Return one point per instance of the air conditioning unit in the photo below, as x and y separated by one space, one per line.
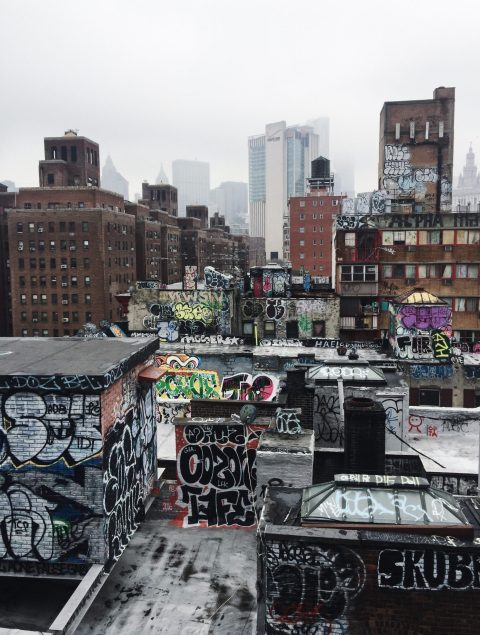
40 230
410 281
34 319
64 301
447 282
32 248
447 247
72 248
109 249
65 320
63 266
411 248
64 284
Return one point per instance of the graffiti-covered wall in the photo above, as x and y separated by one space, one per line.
301 318
175 314
216 467
421 331
328 424
74 471
129 459
323 586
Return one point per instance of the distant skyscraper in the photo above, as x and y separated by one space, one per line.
279 163
230 199
466 196
112 179
321 127
192 180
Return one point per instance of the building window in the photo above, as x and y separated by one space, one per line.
23 299
429 397
302 256
301 243
269 328
84 227
34 298
301 230
350 239
19 228
85 244
54 298
88 299
466 271
318 328
469 305
359 273
50 179
468 236
43 298
302 203
87 281
51 226
247 328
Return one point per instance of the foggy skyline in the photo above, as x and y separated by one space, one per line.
155 82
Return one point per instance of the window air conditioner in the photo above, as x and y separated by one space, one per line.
447 282
447 247
411 248
65 320
64 301
63 266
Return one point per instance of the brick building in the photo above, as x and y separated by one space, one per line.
160 196
71 250
69 160
311 224
7 200
416 152
78 419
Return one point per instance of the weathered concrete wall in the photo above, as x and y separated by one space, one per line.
436 422
172 314
307 313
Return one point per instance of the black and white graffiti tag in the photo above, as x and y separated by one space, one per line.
217 474
310 585
428 569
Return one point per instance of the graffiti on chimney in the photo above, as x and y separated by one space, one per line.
217 473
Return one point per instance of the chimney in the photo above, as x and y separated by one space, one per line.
364 436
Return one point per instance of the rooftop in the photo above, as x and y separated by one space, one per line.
69 355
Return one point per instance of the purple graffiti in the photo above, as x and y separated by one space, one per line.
425 317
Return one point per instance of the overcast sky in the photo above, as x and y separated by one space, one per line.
152 81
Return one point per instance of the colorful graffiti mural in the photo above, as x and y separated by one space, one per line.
172 314
188 384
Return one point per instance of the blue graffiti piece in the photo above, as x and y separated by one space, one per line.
431 371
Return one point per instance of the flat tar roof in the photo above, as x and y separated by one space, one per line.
69 355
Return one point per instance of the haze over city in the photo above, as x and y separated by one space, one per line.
154 82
